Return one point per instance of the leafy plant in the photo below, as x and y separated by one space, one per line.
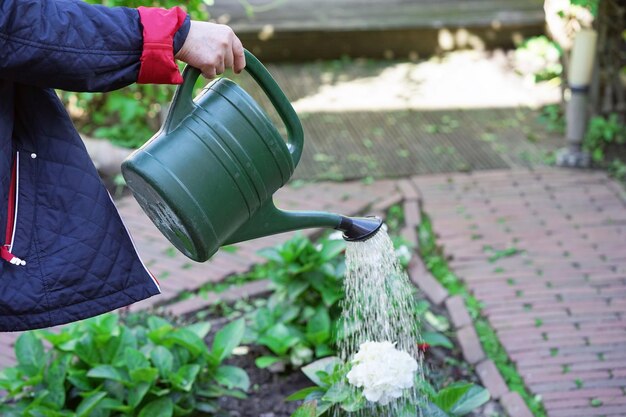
103 368
129 116
602 133
296 324
332 391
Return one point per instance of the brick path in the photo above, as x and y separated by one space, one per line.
177 273
559 305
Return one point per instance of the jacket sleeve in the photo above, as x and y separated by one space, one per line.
72 45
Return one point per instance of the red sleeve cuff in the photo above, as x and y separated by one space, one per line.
157 59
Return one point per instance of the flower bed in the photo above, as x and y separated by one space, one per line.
162 367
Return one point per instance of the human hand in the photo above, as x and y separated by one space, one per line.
212 48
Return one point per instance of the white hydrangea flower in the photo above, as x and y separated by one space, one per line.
382 371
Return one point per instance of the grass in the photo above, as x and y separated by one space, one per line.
437 264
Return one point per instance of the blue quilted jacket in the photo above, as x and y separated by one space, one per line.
66 253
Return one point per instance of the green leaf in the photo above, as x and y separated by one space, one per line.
263 362
318 327
87 405
200 329
147 374
135 359
337 393
471 399
332 248
228 338
271 254
30 353
185 377
322 365
437 339
163 360
107 372
433 411
308 409
448 397
279 339
163 407
187 339
136 393
232 377
304 393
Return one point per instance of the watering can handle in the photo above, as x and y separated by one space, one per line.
184 102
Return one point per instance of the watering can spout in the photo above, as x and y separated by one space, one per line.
358 229
269 220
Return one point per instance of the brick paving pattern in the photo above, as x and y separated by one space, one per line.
558 303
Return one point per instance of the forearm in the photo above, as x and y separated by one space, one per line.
72 45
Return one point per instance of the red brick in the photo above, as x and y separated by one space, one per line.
458 312
409 192
470 345
491 378
514 405
425 281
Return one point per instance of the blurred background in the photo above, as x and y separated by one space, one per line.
401 87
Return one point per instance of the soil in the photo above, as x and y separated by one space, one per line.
268 390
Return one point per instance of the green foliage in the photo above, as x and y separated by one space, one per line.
296 324
129 116
553 118
601 133
103 368
332 390
591 5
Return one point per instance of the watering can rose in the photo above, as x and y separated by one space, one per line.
382 371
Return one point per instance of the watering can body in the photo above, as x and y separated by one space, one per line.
207 177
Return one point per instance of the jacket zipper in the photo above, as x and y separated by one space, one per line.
5 250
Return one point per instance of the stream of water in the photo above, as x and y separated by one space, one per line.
379 306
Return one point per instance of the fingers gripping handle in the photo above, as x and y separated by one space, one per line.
182 104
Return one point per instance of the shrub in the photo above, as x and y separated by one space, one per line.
102 368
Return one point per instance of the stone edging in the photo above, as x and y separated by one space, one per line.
471 347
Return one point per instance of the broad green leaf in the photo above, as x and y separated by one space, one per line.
227 338
188 339
30 353
337 393
113 404
87 405
136 393
163 407
156 322
200 329
148 374
232 377
437 339
472 399
431 410
162 360
55 380
185 377
86 350
306 410
263 362
207 408
318 327
447 397
279 339
322 365
304 393
332 248
135 359
263 318
78 378
107 372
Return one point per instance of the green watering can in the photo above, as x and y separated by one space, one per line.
206 179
